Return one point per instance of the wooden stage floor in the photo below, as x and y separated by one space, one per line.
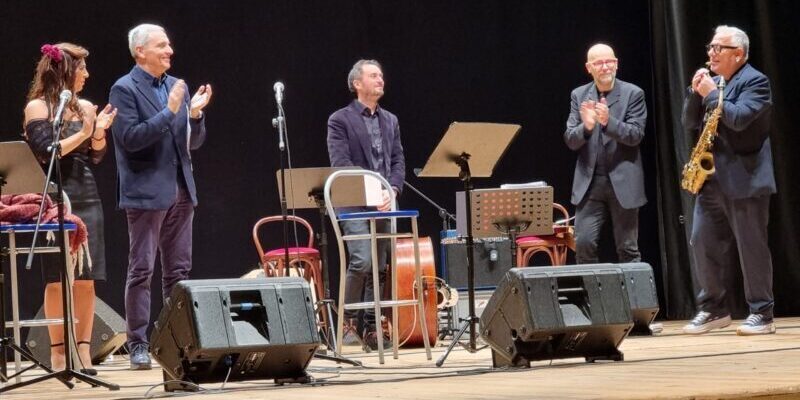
718 365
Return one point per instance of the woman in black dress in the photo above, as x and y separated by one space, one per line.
83 141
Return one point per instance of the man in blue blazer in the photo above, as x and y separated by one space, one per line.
732 208
368 136
157 126
605 126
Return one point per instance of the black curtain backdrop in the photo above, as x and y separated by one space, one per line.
510 62
680 29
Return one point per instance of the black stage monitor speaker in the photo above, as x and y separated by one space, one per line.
108 335
543 313
640 283
236 328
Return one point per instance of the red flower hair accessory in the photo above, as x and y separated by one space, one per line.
53 52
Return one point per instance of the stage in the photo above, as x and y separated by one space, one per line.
668 366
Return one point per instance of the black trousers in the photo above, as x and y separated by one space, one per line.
593 212
730 234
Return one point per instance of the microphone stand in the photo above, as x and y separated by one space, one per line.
280 123
69 371
446 218
443 213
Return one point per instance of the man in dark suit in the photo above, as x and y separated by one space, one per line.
365 135
605 126
157 126
732 208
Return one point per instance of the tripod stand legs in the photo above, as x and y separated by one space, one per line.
64 376
7 342
469 323
330 338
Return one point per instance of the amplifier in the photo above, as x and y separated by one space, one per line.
492 258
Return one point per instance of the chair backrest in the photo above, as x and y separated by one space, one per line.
564 213
277 218
329 184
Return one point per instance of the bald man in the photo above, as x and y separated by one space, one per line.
605 126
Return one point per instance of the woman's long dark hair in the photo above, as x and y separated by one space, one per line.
54 75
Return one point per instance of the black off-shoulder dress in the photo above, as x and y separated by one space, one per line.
81 188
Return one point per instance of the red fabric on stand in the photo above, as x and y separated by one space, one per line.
24 208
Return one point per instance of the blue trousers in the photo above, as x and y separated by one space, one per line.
170 233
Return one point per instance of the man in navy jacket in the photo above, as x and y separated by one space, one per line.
732 208
157 126
368 136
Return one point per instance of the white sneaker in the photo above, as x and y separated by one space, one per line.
705 322
756 324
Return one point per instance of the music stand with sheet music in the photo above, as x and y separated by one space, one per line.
468 150
511 212
304 190
17 165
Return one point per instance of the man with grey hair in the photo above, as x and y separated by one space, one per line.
732 208
368 136
157 126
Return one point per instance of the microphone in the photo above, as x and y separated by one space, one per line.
63 99
279 121
278 88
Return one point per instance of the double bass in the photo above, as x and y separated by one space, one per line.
409 331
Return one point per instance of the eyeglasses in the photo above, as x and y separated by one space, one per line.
717 48
599 63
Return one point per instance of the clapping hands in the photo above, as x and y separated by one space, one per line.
594 112
105 117
200 100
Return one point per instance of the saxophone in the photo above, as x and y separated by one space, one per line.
701 162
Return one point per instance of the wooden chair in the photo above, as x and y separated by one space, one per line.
555 245
303 261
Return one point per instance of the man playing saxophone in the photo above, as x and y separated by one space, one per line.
732 207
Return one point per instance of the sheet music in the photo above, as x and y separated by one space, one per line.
535 184
373 191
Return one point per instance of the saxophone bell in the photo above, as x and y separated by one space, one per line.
707 164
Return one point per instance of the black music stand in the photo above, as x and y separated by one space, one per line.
511 212
304 189
19 173
469 150
54 170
